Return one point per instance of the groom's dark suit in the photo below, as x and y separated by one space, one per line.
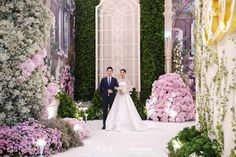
107 99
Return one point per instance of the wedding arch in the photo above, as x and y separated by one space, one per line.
118 39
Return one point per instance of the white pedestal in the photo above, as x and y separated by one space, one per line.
52 109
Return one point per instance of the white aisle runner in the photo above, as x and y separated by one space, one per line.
148 143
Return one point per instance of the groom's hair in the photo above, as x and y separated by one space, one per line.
109 68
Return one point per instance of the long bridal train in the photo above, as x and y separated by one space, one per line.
123 115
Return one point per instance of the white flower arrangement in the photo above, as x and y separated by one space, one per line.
23 33
120 90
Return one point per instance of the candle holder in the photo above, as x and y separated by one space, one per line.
76 127
41 143
85 114
86 117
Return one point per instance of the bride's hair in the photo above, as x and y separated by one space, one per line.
123 70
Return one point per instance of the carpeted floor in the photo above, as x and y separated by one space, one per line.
148 143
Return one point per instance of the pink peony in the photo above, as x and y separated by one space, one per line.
176 109
164 119
179 119
184 107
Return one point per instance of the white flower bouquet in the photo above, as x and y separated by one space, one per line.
120 90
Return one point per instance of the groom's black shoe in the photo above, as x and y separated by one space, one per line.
103 127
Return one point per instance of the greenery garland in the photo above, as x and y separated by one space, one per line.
214 102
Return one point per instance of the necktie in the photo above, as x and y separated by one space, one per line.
109 81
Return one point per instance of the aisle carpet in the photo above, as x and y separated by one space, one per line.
149 143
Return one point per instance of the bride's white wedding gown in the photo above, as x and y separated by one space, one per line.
123 115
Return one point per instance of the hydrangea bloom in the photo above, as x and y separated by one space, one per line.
30 64
171 100
20 140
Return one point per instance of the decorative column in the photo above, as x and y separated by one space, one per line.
168 14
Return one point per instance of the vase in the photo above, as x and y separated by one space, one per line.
52 109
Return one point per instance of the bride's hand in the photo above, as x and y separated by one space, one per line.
121 91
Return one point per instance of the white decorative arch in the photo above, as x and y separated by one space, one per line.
118 39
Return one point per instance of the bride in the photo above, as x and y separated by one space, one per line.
123 115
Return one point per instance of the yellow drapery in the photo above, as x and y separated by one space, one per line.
221 16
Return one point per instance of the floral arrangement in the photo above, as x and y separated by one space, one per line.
67 80
69 137
21 139
49 85
50 91
120 90
24 34
79 126
171 100
30 64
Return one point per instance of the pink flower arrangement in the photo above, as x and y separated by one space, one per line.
171 100
50 87
67 80
30 64
79 126
49 93
21 139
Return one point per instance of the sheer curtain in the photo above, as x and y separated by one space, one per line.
118 39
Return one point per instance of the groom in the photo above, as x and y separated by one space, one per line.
108 93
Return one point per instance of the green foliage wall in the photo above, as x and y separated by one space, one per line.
85 49
152 44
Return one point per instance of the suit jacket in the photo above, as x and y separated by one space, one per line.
104 86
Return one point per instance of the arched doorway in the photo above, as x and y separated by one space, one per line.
118 39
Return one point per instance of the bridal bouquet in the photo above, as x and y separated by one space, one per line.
120 90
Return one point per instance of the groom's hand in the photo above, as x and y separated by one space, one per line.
109 91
